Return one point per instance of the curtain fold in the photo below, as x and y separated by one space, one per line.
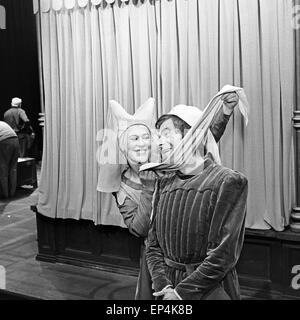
176 51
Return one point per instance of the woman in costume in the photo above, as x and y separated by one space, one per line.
127 144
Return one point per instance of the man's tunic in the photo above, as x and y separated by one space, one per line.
197 232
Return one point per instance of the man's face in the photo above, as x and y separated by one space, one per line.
138 144
169 138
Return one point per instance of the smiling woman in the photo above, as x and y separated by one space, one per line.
138 144
130 137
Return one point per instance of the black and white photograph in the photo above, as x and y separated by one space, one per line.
149 151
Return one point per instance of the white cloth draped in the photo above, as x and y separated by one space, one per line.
199 134
179 52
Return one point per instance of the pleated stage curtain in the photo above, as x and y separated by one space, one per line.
176 51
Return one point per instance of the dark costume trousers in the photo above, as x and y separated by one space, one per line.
144 289
25 142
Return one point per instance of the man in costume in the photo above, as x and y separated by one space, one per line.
133 191
198 213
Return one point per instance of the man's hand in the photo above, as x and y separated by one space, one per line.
170 295
230 100
167 293
148 179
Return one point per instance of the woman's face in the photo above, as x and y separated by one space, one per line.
138 144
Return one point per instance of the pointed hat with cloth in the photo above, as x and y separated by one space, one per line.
111 156
199 133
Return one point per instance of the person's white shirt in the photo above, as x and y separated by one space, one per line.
6 131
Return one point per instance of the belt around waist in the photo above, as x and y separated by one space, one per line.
188 267
10 138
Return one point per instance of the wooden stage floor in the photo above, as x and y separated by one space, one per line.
26 276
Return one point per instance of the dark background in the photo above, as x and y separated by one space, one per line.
19 69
